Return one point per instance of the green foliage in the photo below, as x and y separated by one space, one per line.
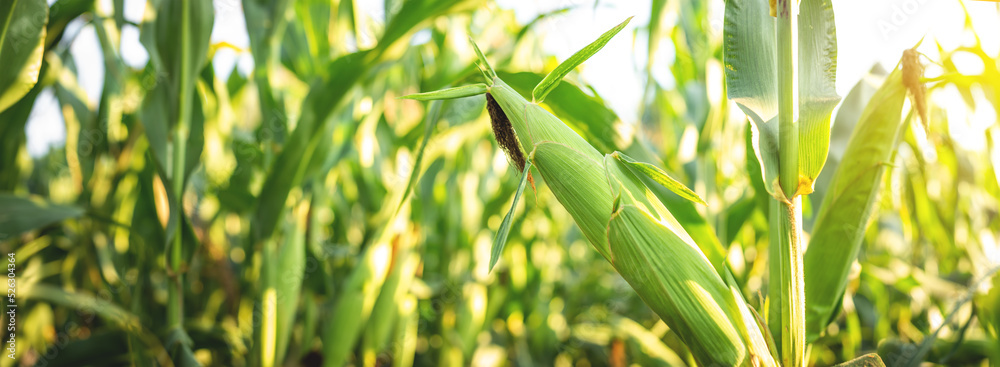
556 75
22 40
845 213
752 81
307 212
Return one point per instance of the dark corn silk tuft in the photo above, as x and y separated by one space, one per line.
504 133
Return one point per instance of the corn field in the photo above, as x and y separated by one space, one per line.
429 184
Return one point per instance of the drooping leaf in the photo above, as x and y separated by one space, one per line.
501 238
657 174
21 214
556 75
22 41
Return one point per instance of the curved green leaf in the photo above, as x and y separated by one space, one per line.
657 174
22 41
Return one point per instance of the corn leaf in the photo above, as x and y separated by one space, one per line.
21 214
290 273
988 307
501 238
355 301
289 169
867 360
847 207
657 174
433 115
817 87
651 345
751 81
844 123
556 75
22 41
450 93
12 137
484 64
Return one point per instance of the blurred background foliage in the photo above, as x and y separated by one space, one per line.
313 231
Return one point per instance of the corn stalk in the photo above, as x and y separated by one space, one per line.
780 70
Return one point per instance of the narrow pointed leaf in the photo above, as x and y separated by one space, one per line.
546 85
501 238
450 93
657 174
484 64
432 118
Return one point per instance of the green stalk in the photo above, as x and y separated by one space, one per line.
787 290
787 311
175 308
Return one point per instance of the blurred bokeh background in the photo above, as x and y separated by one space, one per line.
92 275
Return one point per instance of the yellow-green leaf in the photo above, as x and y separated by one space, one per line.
657 174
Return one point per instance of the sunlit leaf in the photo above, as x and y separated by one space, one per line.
657 174
556 75
751 81
22 40
847 207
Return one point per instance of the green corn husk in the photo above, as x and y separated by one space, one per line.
640 238
624 221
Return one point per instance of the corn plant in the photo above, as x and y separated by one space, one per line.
780 70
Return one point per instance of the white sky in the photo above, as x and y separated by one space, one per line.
868 32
